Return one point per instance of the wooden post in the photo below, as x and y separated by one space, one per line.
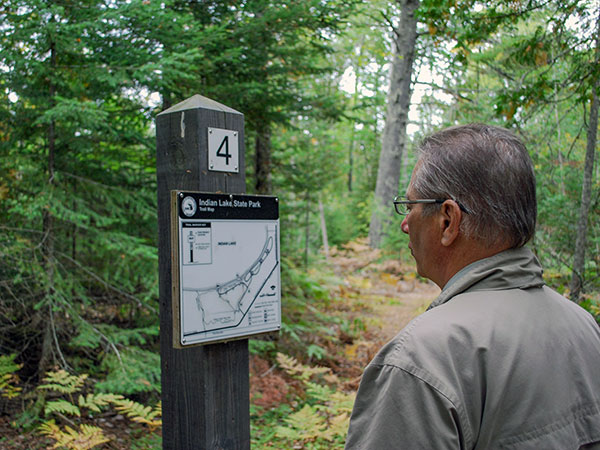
205 389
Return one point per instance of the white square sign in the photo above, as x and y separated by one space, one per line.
223 150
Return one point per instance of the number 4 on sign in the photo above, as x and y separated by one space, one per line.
223 150
226 154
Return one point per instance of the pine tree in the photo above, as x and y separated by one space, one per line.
77 190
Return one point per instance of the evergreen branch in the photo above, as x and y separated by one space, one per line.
110 343
94 182
23 230
106 284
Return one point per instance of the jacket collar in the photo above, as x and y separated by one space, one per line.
511 269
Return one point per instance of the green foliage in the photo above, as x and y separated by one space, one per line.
61 381
348 217
305 298
261 347
140 413
87 436
80 81
316 351
131 371
8 376
593 306
95 402
62 406
395 241
148 442
319 418
323 417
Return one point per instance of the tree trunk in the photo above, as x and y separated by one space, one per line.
353 132
48 237
586 189
576 284
263 160
351 157
394 132
323 228
561 165
307 229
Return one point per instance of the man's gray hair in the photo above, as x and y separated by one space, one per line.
488 171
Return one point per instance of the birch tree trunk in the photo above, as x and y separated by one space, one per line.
394 132
576 283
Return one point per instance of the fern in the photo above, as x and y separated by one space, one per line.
325 416
62 406
337 427
329 400
318 392
94 402
86 438
8 378
140 413
298 370
304 425
61 381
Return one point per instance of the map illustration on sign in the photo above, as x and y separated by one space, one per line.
229 269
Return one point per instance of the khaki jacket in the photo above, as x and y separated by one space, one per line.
499 361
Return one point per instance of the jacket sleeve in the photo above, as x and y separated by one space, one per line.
395 409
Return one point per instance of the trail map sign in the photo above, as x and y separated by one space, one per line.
227 266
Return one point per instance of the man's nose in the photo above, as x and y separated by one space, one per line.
404 225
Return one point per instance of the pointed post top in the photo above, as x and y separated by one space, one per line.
199 101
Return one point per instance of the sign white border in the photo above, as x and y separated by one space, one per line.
223 150
226 271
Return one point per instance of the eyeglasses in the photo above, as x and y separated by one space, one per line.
401 204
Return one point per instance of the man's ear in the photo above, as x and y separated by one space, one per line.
450 218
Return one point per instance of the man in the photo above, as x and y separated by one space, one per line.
499 360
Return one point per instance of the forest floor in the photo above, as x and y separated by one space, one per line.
375 296
391 289
383 294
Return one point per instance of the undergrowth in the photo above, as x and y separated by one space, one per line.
72 410
76 412
322 318
8 378
317 418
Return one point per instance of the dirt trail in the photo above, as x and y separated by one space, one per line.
391 292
